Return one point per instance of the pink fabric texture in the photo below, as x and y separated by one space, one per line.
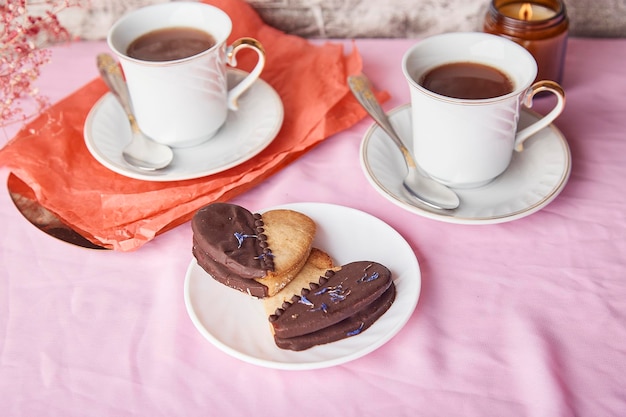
526 318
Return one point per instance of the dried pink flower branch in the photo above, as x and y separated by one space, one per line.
23 36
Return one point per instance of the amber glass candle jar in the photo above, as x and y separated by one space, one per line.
540 26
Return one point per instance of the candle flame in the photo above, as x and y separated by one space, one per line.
526 11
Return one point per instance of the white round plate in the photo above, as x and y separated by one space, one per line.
236 323
533 179
245 134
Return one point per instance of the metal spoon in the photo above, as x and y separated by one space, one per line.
426 190
142 152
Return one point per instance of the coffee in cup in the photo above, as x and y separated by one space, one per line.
170 44
467 80
174 57
466 91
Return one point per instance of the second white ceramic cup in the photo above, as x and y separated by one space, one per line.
467 143
183 102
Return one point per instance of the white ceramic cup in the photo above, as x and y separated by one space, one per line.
183 102
466 143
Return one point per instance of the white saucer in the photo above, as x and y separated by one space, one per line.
245 134
533 179
236 323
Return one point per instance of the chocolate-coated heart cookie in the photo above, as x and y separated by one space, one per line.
339 295
254 253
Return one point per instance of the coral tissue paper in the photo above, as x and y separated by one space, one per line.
49 154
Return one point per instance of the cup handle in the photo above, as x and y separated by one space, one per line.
231 59
538 87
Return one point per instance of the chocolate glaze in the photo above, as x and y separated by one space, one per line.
349 327
340 295
227 277
233 237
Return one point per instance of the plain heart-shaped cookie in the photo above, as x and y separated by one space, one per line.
315 267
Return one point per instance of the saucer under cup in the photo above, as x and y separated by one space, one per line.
244 135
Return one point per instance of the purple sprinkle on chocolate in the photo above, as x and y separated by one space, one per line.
366 278
356 331
265 255
306 301
336 293
241 237
322 291
323 307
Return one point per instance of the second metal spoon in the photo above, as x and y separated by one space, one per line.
426 190
142 152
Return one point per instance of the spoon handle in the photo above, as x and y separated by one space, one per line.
111 73
361 89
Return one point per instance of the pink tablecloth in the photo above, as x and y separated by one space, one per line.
526 318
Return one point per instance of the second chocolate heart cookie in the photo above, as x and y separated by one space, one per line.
353 291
